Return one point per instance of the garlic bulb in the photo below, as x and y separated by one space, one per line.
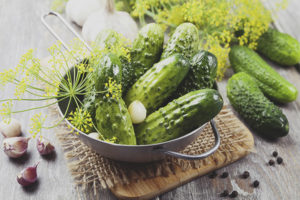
79 10
137 112
109 18
11 128
94 135
27 176
44 147
15 147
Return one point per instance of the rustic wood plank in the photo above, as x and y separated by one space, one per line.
21 29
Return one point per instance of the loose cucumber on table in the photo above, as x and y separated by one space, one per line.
159 82
201 75
185 40
257 111
274 86
279 47
111 116
146 49
180 116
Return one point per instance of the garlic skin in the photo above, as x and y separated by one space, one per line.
137 112
109 18
27 176
94 135
15 147
44 147
12 128
79 10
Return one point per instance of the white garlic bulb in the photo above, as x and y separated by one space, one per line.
137 112
109 18
10 128
79 10
94 135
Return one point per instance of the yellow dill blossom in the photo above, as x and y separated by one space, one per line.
81 119
114 139
6 110
36 125
221 23
114 90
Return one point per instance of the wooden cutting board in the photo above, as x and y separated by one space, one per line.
152 187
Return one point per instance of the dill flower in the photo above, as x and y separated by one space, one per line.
114 90
37 124
6 110
81 119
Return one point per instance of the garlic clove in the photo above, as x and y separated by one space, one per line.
94 135
137 112
15 147
28 176
10 128
44 147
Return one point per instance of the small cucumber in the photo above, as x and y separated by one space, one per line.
279 47
201 75
180 116
159 82
185 40
257 111
146 49
273 85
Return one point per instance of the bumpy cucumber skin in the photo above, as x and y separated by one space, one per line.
179 117
201 75
185 40
159 82
257 111
273 85
113 120
146 49
279 47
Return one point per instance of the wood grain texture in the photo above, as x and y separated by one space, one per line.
20 29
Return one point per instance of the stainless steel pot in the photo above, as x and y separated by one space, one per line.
136 153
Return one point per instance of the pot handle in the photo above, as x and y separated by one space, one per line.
200 156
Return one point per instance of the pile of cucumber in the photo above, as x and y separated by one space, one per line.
256 83
174 84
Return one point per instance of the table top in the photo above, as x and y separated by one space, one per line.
21 30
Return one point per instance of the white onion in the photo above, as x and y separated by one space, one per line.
94 135
79 10
137 112
11 128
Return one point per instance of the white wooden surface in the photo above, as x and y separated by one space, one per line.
21 29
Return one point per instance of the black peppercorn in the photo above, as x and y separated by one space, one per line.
256 183
213 174
225 193
233 194
271 162
279 160
275 154
246 174
224 175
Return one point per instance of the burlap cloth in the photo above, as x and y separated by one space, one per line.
90 170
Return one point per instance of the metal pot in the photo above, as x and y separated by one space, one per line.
136 153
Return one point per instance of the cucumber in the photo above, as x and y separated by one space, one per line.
180 117
185 40
159 82
273 85
146 49
257 111
201 75
279 47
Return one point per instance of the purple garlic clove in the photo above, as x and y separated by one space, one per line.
15 147
27 176
44 147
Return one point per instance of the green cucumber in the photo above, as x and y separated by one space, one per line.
257 111
159 82
201 75
146 49
273 85
180 117
279 47
185 40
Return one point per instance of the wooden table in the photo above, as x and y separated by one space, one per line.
21 29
